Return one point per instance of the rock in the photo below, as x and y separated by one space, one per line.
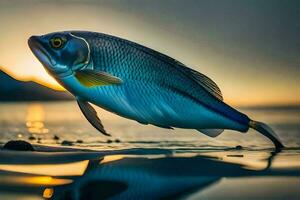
31 138
79 141
55 137
109 141
67 143
18 145
238 147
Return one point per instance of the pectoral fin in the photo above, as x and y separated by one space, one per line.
91 115
211 132
91 78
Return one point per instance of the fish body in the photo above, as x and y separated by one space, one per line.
154 89
156 105
135 82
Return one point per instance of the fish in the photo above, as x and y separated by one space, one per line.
138 83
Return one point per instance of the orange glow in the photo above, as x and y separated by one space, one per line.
46 180
54 85
68 169
35 119
48 192
34 180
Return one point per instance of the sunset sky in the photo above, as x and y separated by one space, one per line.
249 48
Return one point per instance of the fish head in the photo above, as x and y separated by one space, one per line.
61 53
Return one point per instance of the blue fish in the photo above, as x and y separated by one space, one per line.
138 83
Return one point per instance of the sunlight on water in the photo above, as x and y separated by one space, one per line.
144 175
68 169
35 119
111 158
33 180
158 159
48 192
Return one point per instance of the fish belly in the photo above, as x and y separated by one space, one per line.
150 104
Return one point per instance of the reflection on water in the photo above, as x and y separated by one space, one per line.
33 180
145 162
111 158
144 175
48 192
67 169
35 119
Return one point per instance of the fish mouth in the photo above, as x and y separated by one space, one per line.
40 52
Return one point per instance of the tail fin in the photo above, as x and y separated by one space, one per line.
266 131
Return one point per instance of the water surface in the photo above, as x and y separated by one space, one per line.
65 120
143 162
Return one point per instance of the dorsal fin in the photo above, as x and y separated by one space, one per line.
206 83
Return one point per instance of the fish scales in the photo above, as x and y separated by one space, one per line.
122 59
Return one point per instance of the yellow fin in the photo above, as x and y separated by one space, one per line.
91 78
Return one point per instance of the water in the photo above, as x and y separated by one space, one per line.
64 119
144 162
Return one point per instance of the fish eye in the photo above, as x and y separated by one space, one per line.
57 42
